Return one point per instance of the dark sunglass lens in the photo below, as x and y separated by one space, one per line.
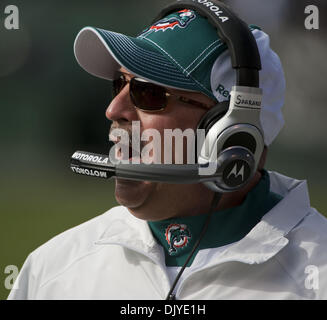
118 85
147 96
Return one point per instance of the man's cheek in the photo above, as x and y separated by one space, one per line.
180 146
151 146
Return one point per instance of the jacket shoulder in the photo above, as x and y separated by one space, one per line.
83 235
312 229
71 245
304 257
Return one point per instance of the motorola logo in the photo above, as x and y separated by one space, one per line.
236 173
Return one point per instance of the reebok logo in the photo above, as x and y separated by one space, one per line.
221 89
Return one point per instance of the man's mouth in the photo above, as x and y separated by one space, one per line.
125 151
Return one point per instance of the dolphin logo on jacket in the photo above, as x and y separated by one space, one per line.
177 236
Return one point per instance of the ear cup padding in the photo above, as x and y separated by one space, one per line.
242 139
213 115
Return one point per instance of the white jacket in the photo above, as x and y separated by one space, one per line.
114 256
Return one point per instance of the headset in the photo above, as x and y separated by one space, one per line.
233 141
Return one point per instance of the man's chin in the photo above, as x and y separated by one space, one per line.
132 194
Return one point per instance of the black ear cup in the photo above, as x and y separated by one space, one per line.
213 115
242 139
230 147
210 118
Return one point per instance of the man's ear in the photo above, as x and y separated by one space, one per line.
263 158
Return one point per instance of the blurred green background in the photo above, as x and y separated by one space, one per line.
50 107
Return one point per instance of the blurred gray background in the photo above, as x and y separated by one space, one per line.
50 107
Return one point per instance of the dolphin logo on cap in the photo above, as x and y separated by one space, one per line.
181 19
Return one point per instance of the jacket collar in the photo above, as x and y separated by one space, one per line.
127 231
264 241
268 237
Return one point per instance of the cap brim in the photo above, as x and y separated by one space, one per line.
102 53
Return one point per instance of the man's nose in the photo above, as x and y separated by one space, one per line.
122 108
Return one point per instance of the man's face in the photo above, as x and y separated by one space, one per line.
139 197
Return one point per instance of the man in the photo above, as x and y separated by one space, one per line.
262 242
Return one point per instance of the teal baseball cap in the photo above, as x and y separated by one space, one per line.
182 51
165 52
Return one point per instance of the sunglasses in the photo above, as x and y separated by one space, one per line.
148 96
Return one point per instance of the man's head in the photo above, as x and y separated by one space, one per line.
145 196
183 54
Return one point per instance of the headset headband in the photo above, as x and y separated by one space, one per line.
231 30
